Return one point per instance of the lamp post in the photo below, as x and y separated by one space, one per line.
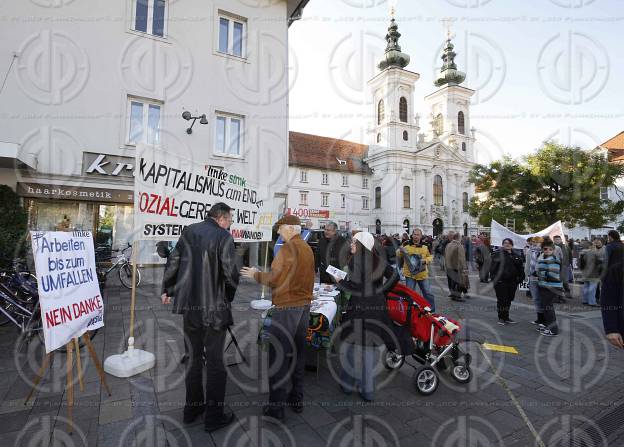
187 116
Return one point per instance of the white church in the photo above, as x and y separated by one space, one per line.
406 177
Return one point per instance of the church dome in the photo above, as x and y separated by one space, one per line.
393 56
449 74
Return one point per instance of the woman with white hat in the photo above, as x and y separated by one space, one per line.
366 324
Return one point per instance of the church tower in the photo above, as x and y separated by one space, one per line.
395 125
449 107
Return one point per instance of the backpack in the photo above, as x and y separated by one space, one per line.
415 264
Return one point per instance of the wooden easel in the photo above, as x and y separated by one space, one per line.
70 366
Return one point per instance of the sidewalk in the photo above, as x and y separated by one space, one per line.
552 386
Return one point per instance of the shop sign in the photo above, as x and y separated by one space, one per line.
94 163
45 191
308 213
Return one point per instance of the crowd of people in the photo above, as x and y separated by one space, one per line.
202 275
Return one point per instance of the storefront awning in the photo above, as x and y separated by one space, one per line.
10 158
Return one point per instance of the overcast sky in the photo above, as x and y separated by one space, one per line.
542 68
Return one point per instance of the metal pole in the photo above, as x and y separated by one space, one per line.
133 290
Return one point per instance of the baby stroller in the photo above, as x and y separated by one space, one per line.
436 345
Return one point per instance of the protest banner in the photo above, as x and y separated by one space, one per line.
499 232
172 192
69 293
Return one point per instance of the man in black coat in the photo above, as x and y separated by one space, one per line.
202 276
612 292
331 250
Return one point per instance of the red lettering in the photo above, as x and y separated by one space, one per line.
65 315
51 318
143 201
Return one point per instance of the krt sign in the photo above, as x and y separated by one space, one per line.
172 192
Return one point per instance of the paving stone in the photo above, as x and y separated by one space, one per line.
13 421
115 411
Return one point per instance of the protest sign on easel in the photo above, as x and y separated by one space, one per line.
70 301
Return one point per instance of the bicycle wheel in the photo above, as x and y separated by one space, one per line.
125 276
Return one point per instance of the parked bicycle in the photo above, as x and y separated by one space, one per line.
124 267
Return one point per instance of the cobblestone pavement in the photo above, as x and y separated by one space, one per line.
572 383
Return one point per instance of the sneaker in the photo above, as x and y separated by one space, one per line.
502 322
540 327
510 321
535 322
547 333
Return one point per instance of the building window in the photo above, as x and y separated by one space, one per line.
406 197
438 124
345 180
364 202
228 134
438 191
325 178
405 135
324 199
380 111
604 193
461 126
403 109
303 176
343 200
143 122
232 35
150 17
464 147
465 202
379 138
364 182
303 198
378 197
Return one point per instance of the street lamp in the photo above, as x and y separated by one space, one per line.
187 116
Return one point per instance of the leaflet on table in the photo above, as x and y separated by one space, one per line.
336 272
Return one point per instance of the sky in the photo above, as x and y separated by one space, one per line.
542 69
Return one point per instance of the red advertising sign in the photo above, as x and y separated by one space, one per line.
308 213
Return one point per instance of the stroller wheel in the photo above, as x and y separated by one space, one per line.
426 380
461 373
393 361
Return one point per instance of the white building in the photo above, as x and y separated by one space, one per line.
87 81
415 179
613 148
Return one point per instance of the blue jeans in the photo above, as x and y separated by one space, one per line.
534 289
589 291
358 364
425 289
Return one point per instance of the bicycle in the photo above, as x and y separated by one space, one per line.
125 270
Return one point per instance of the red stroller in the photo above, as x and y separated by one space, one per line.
436 346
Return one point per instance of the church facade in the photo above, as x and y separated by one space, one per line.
415 177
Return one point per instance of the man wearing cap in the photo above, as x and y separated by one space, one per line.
292 282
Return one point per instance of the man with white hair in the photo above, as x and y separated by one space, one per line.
292 282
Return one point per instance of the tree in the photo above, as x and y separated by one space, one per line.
13 225
556 182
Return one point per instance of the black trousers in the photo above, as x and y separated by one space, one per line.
548 296
287 339
505 293
206 338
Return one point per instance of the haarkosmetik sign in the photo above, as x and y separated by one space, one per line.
172 192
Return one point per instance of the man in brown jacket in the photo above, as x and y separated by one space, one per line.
292 282
456 267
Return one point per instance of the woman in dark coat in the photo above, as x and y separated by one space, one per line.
612 292
366 324
507 272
